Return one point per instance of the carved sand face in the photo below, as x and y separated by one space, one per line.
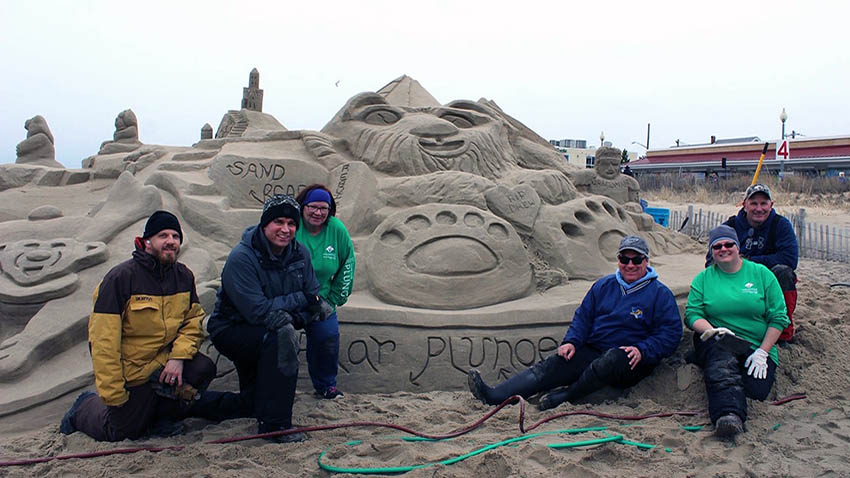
460 136
607 167
32 262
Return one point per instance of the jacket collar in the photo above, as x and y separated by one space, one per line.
150 262
638 284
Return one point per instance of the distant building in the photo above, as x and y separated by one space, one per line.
569 143
823 156
577 153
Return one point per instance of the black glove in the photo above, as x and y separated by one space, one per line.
277 319
318 312
313 302
325 309
300 319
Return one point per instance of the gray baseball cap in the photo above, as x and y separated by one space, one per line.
634 243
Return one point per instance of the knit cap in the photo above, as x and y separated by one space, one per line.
723 233
280 205
162 220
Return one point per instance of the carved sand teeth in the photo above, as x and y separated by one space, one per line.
447 257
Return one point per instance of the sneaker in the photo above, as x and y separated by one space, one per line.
65 426
330 393
289 438
728 426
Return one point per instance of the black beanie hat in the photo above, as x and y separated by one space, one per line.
162 220
280 205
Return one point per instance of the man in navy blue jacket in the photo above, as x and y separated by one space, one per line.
626 324
768 238
268 293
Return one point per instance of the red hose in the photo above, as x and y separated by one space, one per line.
456 433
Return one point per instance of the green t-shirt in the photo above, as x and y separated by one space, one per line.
746 302
332 255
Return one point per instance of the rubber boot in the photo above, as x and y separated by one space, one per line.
787 279
588 382
524 384
218 406
728 426
791 304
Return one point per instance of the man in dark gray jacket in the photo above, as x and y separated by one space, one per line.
268 292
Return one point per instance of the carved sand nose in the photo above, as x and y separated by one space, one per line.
435 128
38 255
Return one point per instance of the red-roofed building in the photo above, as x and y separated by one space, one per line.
823 156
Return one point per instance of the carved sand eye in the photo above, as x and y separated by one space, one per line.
458 120
381 117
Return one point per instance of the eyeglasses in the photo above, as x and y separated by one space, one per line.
727 245
636 260
321 209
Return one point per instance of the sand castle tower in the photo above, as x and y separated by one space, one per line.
252 96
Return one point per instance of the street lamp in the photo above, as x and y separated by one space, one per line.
640 144
782 117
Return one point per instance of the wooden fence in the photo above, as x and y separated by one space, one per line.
816 241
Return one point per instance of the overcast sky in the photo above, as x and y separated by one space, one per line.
566 69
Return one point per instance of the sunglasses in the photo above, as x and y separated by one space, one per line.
636 260
727 245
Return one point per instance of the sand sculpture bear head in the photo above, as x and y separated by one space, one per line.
31 262
461 136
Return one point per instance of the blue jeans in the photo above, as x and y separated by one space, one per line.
323 352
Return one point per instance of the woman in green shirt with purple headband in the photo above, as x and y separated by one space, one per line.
332 255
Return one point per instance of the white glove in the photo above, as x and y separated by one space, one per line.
716 333
757 363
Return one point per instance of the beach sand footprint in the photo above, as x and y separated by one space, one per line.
447 257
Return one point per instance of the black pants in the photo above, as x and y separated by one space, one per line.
253 350
556 371
726 381
132 419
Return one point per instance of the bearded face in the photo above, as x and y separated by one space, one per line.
460 136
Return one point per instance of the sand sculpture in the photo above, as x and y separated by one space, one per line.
605 178
252 96
126 136
474 239
38 148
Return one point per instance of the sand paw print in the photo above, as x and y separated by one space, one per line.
581 236
447 257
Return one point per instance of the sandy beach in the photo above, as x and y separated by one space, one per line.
807 437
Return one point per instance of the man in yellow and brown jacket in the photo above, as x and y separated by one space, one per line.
144 333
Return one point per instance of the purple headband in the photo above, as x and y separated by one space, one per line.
317 195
